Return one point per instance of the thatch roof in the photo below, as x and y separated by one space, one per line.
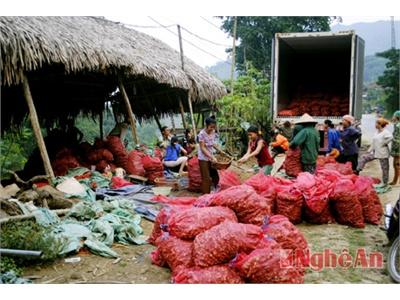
99 45
73 64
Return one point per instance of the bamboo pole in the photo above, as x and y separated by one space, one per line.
157 121
36 128
192 116
130 113
184 123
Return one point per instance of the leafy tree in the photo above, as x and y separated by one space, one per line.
15 147
390 79
249 104
256 33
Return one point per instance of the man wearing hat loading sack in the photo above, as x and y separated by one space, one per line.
308 141
348 139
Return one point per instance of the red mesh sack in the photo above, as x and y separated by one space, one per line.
174 200
344 169
101 165
220 244
316 193
194 175
347 208
158 153
267 265
156 258
135 165
117 182
187 224
249 207
211 275
322 160
175 252
265 187
289 202
228 179
161 220
153 168
204 200
100 154
285 233
114 144
261 182
292 163
369 199
64 160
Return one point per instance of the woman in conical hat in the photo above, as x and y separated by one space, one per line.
308 141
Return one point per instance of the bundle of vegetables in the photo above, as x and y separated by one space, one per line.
153 168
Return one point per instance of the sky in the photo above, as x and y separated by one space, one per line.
203 28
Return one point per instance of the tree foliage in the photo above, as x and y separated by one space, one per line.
390 79
248 104
256 33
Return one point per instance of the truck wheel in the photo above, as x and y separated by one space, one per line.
393 263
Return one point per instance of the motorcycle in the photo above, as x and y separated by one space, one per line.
392 231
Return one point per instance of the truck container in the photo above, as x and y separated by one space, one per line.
319 73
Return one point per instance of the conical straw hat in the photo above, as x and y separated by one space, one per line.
306 118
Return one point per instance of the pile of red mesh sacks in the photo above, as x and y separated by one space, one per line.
293 167
316 106
245 233
202 243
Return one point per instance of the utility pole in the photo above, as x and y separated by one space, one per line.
233 52
393 33
183 68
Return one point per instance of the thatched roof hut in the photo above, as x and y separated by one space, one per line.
73 65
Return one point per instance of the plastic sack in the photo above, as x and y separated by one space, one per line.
289 202
262 184
174 251
187 224
250 208
292 163
174 200
228 179
117 182
220 244
194 175
347 208
135 165
267 265
369 199
211 275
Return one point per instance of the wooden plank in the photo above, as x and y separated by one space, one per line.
129 110
36 128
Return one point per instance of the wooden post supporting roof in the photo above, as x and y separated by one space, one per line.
101 125
129 109
36 128
184 123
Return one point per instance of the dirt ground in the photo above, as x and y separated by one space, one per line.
135 264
